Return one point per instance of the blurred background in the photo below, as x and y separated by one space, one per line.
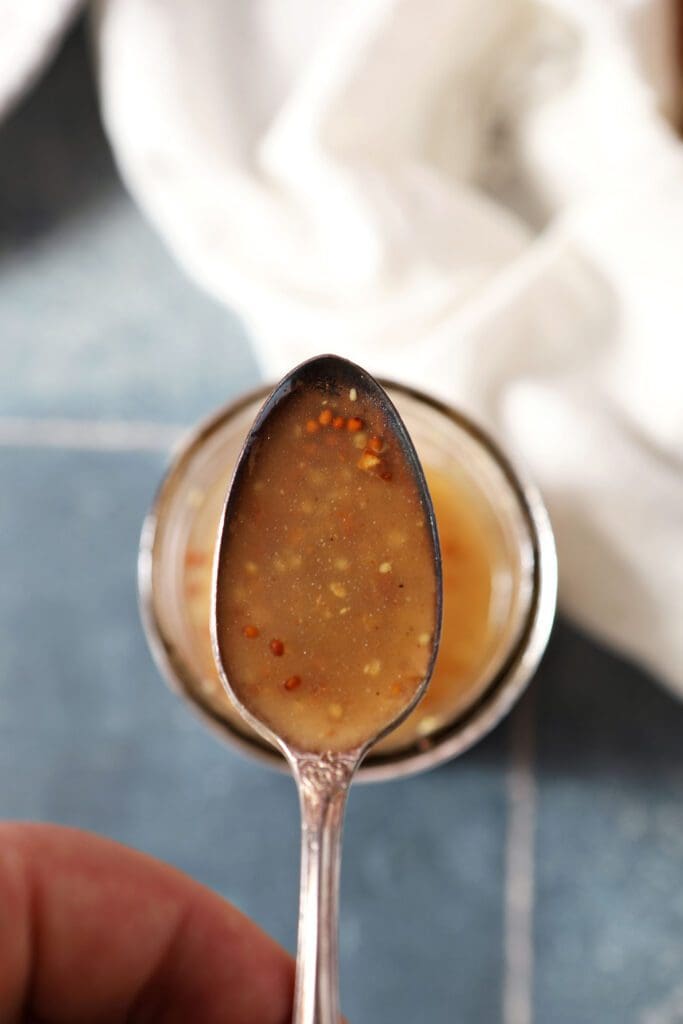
536 879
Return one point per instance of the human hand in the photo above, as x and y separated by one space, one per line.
94 933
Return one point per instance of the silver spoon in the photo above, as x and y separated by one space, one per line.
323 776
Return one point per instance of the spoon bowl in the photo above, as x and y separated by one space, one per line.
328 545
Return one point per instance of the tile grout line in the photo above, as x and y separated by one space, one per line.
519 870
88 435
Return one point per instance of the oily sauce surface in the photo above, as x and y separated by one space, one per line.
327 616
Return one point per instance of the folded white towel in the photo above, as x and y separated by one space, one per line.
478 197
30 33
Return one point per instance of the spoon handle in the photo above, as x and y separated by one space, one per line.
323 784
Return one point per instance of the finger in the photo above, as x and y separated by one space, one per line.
93 932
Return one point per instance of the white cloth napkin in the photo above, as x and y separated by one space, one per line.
30 32
478 197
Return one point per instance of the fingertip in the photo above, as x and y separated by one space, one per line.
103 927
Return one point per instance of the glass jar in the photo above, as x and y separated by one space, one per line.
505 511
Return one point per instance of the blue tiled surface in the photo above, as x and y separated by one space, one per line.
422 894
96 321
610 842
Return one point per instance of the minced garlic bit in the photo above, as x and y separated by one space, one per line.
385 567
341 563
345 610
368 460
335 711
372 668
423 639
360 440
353 394
338 589
430 723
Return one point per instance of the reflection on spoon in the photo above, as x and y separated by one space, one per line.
327 610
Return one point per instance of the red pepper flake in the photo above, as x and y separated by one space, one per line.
251 632
354 424
376 444
385 474
325 418
194 559
293 683
277 648
311 426
338 422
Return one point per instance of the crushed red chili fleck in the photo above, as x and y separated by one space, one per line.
325 417
194 559
251 632
293 683
338 422
376 444
385 474
277 647
354 424
311 426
